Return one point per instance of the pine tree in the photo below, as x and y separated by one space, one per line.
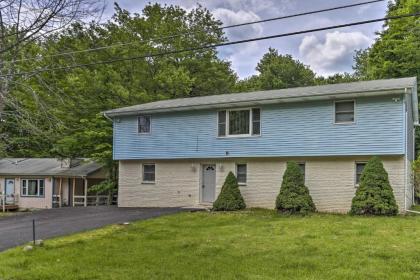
230 197
294 196
374 195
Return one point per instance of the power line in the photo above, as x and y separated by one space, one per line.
150 55
195 32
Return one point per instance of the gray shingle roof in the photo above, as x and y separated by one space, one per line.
297 94
45 167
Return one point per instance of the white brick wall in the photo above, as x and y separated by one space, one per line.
330 181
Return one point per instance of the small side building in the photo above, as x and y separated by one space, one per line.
50 182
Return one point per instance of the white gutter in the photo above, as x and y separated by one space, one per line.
411 211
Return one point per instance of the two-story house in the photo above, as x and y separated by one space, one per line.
178 152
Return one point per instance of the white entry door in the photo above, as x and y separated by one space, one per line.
10 191
208 188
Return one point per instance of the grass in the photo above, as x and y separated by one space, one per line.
251 244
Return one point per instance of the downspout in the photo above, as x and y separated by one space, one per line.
405 148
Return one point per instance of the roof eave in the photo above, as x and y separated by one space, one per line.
111 113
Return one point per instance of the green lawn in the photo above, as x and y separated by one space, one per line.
257 244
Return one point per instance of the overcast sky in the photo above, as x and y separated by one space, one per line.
326 52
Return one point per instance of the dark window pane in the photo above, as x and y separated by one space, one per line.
359 171
256 124
41 187
344 112
222 129
344 117
32 187
241 173
222 123
144 124
255 114
239 122
302 168
149 172
344 106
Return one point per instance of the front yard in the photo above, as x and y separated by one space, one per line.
252 244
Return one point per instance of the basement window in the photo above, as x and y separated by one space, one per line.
241 173
149 173
360 166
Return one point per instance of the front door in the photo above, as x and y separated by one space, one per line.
10 191
208 188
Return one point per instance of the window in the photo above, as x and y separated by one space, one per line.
241 173
244 122
302 169
144 124
359 170
222 123
32 187
344 112
148 173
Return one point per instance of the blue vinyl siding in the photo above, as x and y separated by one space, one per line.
290 129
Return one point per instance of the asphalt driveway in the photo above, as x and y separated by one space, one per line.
17 230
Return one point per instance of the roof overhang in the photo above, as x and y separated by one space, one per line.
256 102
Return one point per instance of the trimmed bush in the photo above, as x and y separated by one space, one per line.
374 195
294 196
230 197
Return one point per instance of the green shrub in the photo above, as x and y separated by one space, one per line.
230 197
374 195
294 196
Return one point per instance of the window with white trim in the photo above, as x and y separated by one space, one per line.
241 173
32 187
359 170
239 122
144 124
344 111
149 171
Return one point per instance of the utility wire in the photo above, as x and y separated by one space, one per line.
210 46
158 39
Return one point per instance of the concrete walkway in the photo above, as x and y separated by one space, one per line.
17 229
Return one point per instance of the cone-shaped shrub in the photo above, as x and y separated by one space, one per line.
294 196
230 197
374 195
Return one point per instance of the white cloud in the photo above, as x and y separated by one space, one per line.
229 17
334 53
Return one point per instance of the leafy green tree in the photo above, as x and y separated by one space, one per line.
336 79
62 109
395 53
278 71
374 195
294 196
230 197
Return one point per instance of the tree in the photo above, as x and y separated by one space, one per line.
396 51
230 197
294 196
23 22
278 71
62 108
374 196
336 79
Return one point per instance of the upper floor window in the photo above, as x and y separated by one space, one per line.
241 171
359 170
144 124
32 187
344 111
239 122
